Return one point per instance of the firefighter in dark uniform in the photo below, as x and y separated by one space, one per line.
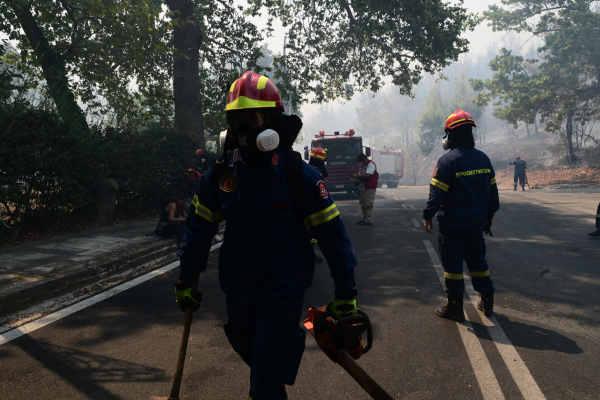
318 155
520 167
264 265
463 192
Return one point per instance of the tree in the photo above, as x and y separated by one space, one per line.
96 42
432 119
567 86
335 42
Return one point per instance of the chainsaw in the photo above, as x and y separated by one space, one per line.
341 340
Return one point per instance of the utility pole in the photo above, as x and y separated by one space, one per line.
288 109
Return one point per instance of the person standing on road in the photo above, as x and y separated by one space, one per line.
463 189
596 233
366 180
265 262
520 167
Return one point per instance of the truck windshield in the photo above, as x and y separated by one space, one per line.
340 150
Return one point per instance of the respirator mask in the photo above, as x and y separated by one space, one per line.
446 141
249 132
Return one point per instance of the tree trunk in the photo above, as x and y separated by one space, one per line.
535 124
106 199
53 67
570 149
414 174
186 78
527 126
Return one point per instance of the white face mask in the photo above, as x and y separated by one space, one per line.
267 140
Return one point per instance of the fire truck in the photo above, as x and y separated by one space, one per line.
341 158
390 166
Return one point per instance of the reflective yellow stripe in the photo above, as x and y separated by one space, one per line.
262 82
205 213
456 277
322 216
313 240
459 121
479 274
232 86
439 184
320 157
493 181
243 102
597 215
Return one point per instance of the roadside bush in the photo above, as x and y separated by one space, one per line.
49 176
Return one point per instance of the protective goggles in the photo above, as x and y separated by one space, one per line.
251 118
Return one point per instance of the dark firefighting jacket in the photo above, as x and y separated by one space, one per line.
263 251
463 189
520 166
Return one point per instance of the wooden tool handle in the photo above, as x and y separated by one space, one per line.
185 334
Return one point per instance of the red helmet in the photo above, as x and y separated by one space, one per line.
253 91
351 131
458 118
199 153
319 153
518 158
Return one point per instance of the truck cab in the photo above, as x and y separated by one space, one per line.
341 158
390 166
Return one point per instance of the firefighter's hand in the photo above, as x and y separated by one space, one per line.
185 297
428 225
488 228
353 176
342 308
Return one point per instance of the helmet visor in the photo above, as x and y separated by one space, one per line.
251 118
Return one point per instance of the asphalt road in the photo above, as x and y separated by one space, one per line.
544 266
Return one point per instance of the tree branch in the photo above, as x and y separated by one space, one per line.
398 56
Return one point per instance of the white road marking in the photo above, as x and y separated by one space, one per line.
417 225
527 385
490 389
412 207
48 319
404 207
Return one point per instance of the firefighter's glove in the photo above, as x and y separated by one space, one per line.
488 228
342 308
185 298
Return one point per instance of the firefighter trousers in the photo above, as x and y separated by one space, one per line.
267 336
468 245
366 200
598 218
520 177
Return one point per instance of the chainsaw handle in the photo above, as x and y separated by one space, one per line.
369 330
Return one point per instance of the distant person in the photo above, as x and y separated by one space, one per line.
520 167
190 180
596 233
318 156
366 180
463 189
172 219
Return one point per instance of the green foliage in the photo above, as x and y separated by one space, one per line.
432 119
565 85
334 42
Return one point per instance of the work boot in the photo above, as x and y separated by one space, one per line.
595 234
360 222
453 309
486 303
523 187
515 189
365 223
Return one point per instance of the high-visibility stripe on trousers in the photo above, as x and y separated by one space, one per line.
456 246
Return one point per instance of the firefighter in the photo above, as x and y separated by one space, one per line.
366 180
520 167
596 233
318 156
463 192
265 262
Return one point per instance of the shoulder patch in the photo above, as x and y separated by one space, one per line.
275 159
435 171
323 192
228 183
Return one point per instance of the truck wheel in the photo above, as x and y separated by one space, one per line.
393 185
